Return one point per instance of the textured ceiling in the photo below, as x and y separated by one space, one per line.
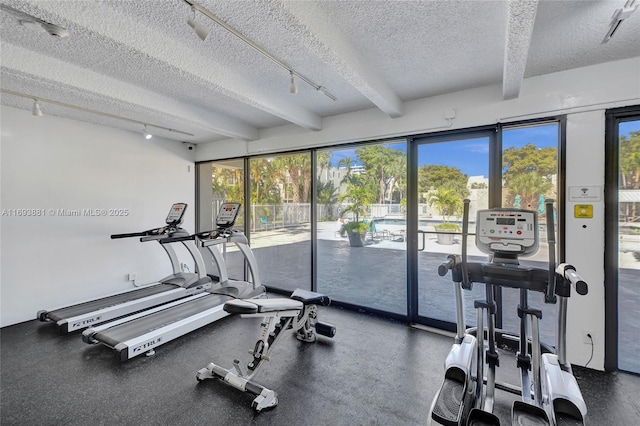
141 61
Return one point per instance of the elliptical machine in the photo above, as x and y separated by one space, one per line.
549 392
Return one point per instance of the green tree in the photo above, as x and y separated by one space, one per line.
630 168
630 161
294 174
327 194
227 184
436 176
385 166
323 161
346 162
447 201
264 178
528 172
359 195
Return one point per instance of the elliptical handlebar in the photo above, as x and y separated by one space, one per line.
549 296
444 267
465 234
568 272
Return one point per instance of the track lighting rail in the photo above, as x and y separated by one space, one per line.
38 99
259 49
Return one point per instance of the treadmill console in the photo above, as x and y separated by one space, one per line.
176 214
227 215
507 231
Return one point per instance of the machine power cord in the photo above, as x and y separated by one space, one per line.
591 357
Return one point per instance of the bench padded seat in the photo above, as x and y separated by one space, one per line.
310 297
255 306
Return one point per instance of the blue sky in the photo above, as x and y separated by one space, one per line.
471 156
627 127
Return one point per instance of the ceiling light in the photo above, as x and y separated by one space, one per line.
146 134
292 87
252 44
36 24
36 111
200 29
618 16
55 30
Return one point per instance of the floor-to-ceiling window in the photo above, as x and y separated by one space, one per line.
622 247
220 182
530 170
280 219
517 170
450 169
353 245
361 223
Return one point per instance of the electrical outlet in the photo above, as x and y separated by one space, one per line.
131 277
585 337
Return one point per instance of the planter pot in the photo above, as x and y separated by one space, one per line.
445 238
356 239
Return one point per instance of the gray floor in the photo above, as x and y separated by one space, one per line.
376 278
374 372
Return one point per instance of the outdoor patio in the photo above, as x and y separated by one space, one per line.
374 276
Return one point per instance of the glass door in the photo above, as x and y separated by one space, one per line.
361 225
628 228
280 219
449 170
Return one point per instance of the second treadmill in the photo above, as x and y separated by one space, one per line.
142 332
175 286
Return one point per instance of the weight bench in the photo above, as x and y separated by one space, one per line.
301 307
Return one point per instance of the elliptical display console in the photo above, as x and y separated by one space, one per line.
507 231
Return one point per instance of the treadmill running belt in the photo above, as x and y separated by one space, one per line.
106 302
129 330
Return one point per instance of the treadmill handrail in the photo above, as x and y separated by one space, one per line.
170 240
154 231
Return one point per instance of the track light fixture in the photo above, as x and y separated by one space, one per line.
292 87
35 110
292 72
146 134
620 15
200 29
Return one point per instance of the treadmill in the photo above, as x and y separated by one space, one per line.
175 286
143 332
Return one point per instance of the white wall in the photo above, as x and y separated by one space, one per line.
582 94
51 163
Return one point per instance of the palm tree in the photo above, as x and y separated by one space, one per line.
446 201
359 196
347 162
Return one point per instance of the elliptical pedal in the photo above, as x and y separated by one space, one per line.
565 419
478 417
449 405
523 414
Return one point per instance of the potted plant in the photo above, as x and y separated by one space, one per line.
360 197
448 203
446 232
356 231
